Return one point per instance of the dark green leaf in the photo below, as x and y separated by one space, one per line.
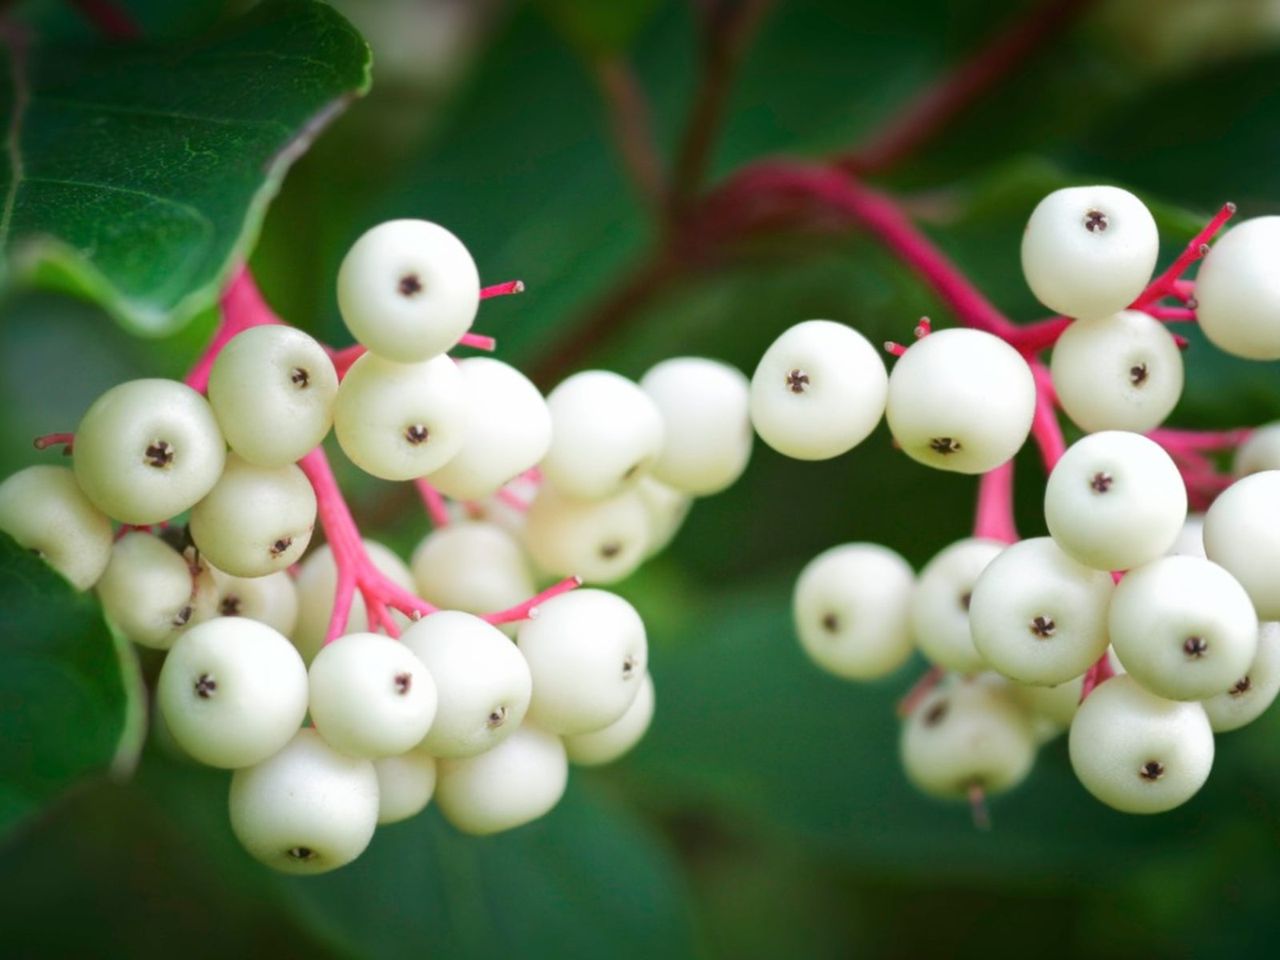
71 700
139 175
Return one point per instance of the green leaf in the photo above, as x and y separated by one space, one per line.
71 699
137 176
599 29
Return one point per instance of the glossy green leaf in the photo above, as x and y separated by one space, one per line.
138 175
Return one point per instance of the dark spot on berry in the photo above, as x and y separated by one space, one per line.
1195 647
944 445
403 682
497 717
1095 221
1241 687
1101 482
416 434
38 553
183 616
797 381
230 606
610 550
830 623
281 545
205 686
1138 374
937 713
1151 771
632 470
629 667
1043 627
409 285
966 598
159 453
300 377
301 853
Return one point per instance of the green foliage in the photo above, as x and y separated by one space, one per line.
138 175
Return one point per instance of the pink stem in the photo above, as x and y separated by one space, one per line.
1167 283
1031 338
502 289
1045 428
993 519
511 500
434 502
978 808
242 308
529 609
478 341
1171 314
344 357
919 690
1100 672
53 439
1178 442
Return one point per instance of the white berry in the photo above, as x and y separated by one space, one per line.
1260 451
471 566
667 508
151 593
1254 691
405 785
609 743
272 599
517 781
601 541
940 604
1242 533
44 510
1238 292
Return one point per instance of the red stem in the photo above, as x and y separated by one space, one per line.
1167 283
434 502
529 609
1100 672
53 439
1045 428
993 518
242 307
919 690
1178 442
502 289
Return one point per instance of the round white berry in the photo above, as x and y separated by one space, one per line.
517 781
370 696
317 583
1183 627
405 785
1089 251
400 421
587 652
851 608
1138 752
471 566
1254 691
1242 533
233 692
408 290
609 743
1115 500
1118 372
1260 451
940 604
667 508
482 681
601 541
44 510
272 389
508 430
707 424
961 400
818 391
147 450
255 520
964 736
605 433
1038 616
1055 705
307 809
152 593
272 599
1238 292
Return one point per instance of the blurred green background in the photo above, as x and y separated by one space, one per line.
765 815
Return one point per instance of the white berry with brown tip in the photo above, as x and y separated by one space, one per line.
940 604
516 782
151 593
45 511
1238 292
1253 691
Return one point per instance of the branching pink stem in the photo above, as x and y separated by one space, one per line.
529 609
993 518
919 690
1100 672
242 308
1045 428
344 357
1178 442
433 501
1166 284
1031 338
1172 314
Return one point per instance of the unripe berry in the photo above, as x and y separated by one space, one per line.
967 735
147 450
233 692
1138 752
609 743
818 391
1183 627
255 520
605 434
517 781
408 290
272 599
508 430
400 421
601 541
152 593
1242 534
370 696
471 566
851 608
1089 251
1119 372
482 681
405 785
1250 695
587 653
272 389
1037 616
44 510
940 604
1238 292
307 809
1261 451
707 426
1115 501
961 400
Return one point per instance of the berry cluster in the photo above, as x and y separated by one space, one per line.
1142 629
410 684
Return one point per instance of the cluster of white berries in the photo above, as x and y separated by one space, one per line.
587 482
1140 629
